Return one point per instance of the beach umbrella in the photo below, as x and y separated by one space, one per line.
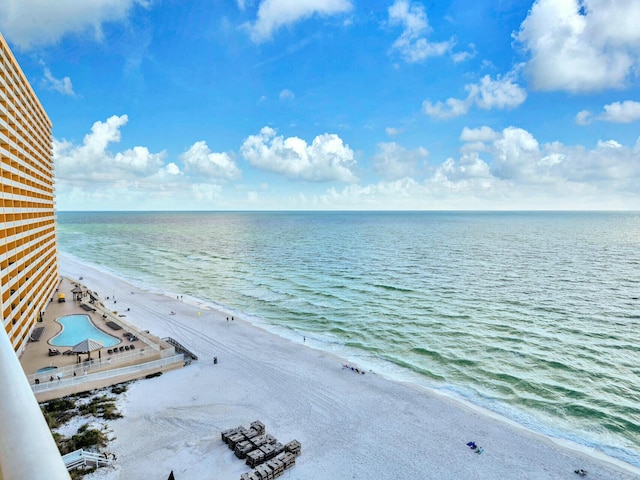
87 346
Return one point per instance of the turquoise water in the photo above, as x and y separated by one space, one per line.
46 369
76 328
533 315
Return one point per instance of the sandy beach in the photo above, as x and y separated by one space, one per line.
350 425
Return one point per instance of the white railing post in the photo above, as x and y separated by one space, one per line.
27 448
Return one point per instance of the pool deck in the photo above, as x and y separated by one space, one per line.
36 354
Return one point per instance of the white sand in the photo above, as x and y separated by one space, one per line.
349 425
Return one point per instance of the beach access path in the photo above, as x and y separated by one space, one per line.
350 425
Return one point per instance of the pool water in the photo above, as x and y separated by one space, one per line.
76 328
46 369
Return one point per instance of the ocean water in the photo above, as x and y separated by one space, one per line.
533 315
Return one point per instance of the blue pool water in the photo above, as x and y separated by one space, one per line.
76 328
46 369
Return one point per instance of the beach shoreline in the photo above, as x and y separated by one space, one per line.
349 424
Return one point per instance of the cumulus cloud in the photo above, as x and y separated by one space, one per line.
199 160
92 162
327 158
30 23
274 14
621 112
392 161
616 112
91 176
450 108
513 171
516 156
482 134
469 167
501 93
63 86
412 43
581 46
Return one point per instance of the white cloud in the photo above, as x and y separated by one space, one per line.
581 46
625 112
393 131
29 23
482 134
501 93
286 94
584 117
450 108
92 162
172 169
393 161
515 172
90 176
326 159
516 155
460 57
616 112
63 86
274 14
469 167
412 43
199 160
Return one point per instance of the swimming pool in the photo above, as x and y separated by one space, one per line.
76 328
46 369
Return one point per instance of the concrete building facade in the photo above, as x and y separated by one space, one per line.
28 245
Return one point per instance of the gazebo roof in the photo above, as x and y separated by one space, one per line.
87 345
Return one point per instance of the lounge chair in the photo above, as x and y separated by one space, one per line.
53 352
109 351
121 349
126 347
132 347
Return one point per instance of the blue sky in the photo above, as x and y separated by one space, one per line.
336 104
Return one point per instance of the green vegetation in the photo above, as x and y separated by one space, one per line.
86 438
59 411
101 407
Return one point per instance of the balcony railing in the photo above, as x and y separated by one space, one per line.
27 449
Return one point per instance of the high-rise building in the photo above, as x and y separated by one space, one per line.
28 247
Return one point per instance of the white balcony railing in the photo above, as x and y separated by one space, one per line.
27 449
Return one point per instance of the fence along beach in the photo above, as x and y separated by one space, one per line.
351 425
